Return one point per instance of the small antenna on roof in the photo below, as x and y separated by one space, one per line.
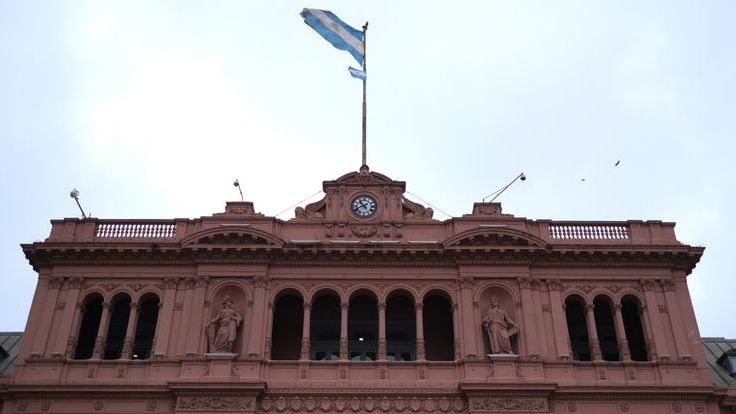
75 195
500 191
237 184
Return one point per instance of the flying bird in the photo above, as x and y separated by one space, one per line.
617 163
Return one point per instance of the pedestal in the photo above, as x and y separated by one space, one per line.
504 365
220 365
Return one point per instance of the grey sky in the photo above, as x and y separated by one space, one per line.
151 109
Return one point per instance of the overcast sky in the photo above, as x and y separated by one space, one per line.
152 109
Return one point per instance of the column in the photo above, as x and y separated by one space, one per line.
43 328
344 331
470 336
595 346
676 320
195 322
455 331
420 331
655 321
256 334
67 329
306 331
130 331
185 315
99 348
71 342
381 331
268 328
529 321
648 336
165 318
559 320
618 325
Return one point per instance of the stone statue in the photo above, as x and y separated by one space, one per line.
499 328
221 329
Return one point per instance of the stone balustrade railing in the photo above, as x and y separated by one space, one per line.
632 232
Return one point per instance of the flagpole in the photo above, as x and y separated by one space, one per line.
365 29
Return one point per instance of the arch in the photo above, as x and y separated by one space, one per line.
605 327
577 328
288 318
145 327
631 313
400 289
363 325
118 326
324 325
439 337
288 290
492 236
362 290
233 235
401 326
481 290
91 309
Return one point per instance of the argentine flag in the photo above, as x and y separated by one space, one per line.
336 32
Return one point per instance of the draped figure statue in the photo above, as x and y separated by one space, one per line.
223 327
499 328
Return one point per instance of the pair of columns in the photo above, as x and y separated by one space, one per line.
306 340
100 341
618 325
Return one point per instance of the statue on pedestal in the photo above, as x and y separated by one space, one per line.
499 328
223 327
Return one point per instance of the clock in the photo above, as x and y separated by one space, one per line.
364 206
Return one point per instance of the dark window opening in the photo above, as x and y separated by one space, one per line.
401 329
324 328
91 314
439 339
145 329
604 326
118 325
287 327
577 328
631 314
362 328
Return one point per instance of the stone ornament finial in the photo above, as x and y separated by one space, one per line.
499 328
223 328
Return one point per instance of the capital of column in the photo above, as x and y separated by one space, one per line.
382 306
307 306
344 306
418 307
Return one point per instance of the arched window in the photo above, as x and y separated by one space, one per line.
631 314
288 318
120 313
91 314
439 338
363 327
145 328
401 328
577 328
324 326
604 326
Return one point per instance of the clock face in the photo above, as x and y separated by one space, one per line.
364 206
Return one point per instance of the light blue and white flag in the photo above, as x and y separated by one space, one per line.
336 32
356 73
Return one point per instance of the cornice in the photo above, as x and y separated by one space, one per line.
678 257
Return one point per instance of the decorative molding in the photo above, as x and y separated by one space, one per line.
505 405
212 403
370 403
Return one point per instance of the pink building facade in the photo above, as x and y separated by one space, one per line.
362 303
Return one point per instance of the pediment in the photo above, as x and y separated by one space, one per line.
364 178
233 236
493 236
